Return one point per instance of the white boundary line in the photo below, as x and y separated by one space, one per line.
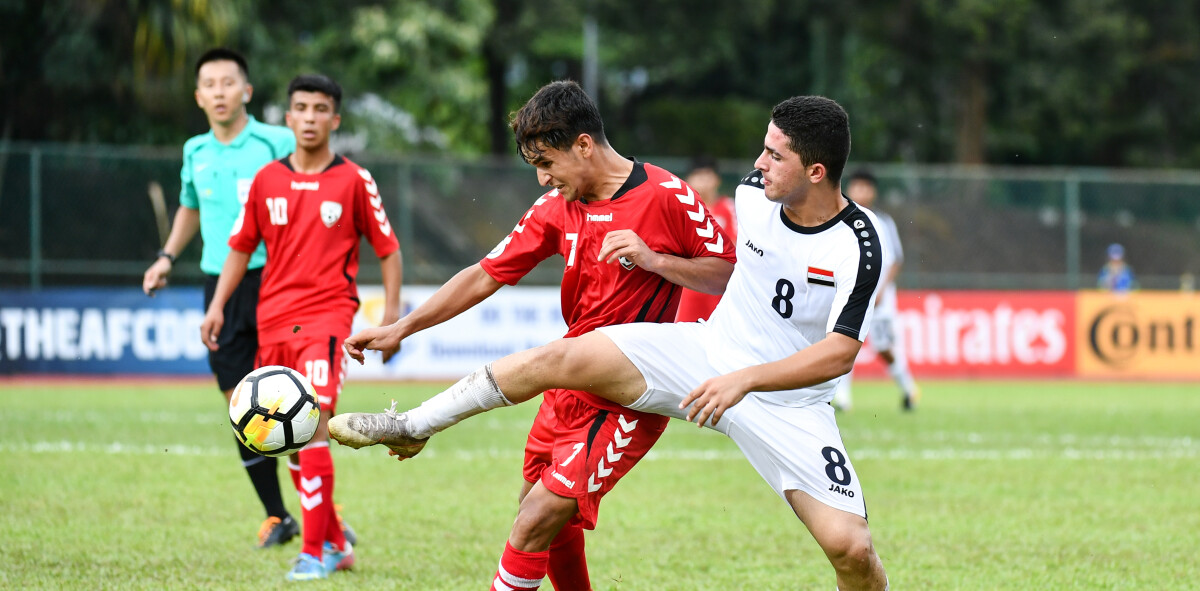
675 455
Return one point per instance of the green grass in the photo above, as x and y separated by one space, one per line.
990 485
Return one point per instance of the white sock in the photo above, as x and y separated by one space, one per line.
899 371
468 397
841 393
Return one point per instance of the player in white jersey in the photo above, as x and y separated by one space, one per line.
862 188
791 321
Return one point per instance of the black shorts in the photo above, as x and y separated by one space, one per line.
238 341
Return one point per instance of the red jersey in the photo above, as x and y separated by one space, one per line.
664 212
312 225
694 305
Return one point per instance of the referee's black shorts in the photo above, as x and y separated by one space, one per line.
238 341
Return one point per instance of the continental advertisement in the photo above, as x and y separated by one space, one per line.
1138 335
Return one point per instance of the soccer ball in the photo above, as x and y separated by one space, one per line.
274 410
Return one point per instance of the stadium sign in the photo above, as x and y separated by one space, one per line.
511 320
983 334
1139 335
947 334
102 331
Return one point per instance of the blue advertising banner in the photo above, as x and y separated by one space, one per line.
102 331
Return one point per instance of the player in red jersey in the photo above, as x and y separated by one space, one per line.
312 210
630 234
695 305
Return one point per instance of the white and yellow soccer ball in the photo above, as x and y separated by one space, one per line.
274 410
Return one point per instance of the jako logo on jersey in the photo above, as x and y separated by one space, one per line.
310 186
596 217
820 276
331 212
758 251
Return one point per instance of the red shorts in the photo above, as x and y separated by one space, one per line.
580 451
322 361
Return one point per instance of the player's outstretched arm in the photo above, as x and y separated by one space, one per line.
392 269
183 229
707 274
825 360
467 288
231 276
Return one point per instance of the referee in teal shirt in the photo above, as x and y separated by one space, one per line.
218 167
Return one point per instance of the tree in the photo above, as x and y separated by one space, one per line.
76 70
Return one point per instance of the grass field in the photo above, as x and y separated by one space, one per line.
989 485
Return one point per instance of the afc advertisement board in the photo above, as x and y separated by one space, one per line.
110 331
946 334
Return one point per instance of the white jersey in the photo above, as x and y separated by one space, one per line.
793 285
893 254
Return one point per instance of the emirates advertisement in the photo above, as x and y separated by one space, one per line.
963 334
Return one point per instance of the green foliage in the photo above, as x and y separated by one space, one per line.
671 125
989 485
1062 82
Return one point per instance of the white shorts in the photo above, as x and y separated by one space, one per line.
882 334
792 448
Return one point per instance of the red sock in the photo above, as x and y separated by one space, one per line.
568 564
316 497
520 571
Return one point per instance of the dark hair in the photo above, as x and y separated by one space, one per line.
818 129
863 175
701 162
220 54
317 83
554 117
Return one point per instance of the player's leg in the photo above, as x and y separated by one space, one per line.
234 359
322 362
594 448
567 567
884 340
526 558
897 366
843 399
799 453
592 362
846 540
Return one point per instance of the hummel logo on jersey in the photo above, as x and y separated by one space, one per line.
563 479
596 217
820 276
758 251
312 186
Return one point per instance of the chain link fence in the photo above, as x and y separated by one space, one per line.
95 215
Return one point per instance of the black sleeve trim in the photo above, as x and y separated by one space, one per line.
870 263
753 178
